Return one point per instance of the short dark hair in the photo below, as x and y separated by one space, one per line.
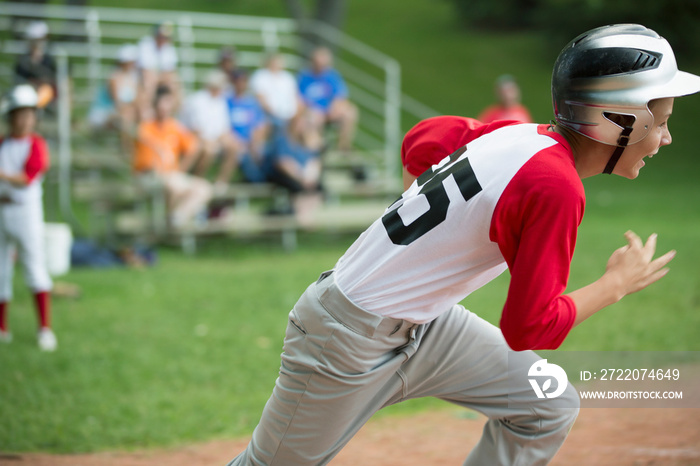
239 73
161 91
227 52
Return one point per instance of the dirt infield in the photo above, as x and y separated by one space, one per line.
600 437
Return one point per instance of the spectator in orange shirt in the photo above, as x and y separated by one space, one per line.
164 153
508 106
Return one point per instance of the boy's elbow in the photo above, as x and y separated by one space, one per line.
527 338
523 340
518 341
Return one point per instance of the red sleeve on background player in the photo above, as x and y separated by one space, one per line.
535 225
38 160
489 114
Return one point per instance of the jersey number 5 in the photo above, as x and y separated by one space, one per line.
434 191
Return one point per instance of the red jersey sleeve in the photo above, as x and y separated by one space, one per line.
535 225
38 160
433 139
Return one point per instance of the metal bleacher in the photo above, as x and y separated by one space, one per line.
89 170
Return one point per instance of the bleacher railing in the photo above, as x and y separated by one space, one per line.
91 38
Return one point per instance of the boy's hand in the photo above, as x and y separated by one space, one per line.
632 268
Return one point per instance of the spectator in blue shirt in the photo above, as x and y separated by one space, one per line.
326 96
250 127
271 155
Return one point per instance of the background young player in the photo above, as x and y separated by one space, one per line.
384 326
508 106
24 158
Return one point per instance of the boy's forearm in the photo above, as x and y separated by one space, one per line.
19 179
594 297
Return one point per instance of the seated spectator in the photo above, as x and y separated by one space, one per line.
508 106
300 166
164 152
115 105
277 91
227 61
298 169
157 64
207 115
326 97
276 158
251 128
37 67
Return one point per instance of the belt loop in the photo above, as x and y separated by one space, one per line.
324 275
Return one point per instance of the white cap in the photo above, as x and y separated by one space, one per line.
128 53
36 30
21 96
216 79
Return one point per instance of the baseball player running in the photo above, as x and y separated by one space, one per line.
24 158
384 325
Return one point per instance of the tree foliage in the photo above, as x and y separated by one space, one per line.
561 20
308 13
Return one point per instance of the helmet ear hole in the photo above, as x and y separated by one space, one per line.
621 120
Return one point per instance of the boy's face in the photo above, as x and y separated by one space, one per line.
240 84
22 121
632 158
321 59
276 63
508 94
165 106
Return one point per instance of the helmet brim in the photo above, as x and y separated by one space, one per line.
682 84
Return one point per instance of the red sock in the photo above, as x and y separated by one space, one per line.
43 307
3 317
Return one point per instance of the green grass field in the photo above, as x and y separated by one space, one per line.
189 350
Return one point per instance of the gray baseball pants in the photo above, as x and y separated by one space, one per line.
341 364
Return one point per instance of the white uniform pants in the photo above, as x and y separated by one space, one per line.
22 230
341 364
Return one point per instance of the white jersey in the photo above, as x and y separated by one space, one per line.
26 155
432 247
206 114
279 89
152 57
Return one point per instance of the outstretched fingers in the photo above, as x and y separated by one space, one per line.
661 261
656 269
636 264
650 247
633 240
654 277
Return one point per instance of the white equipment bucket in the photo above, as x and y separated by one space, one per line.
58 240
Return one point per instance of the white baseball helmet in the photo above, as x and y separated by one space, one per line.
615 70
21 96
